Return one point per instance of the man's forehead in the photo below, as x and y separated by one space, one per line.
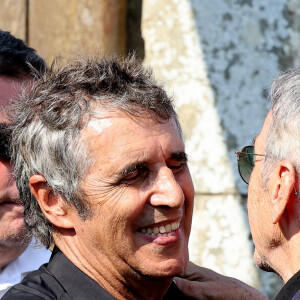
124 130
97 124
120 143
103 118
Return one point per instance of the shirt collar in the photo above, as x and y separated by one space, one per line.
81 286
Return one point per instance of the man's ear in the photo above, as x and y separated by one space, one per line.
282 187
53 207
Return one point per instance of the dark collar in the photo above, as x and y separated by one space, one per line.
81 286
290 289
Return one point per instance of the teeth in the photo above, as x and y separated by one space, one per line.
174 226
155 230
168 228
162 230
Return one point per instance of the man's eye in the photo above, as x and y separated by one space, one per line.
177 166
134 175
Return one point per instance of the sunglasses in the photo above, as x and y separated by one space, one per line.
246 160
4 142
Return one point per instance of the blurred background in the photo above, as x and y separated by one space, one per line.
217 59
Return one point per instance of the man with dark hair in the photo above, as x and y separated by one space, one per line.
102 171
18 255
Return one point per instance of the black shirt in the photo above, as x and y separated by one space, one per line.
60 279
291 290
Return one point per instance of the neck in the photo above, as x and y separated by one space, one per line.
137 288
11 251
286 259
122 283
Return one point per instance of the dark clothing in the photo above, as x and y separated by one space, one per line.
60 279
291 290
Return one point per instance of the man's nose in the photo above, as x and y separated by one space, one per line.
166 190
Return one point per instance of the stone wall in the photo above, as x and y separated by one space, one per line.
67 27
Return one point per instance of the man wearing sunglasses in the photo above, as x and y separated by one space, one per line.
17 254
271 167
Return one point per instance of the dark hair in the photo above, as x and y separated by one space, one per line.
16 58
48 121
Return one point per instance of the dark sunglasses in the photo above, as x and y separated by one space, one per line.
4 141
246 160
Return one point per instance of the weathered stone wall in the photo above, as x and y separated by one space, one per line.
13 17
66 27
74 26
218 58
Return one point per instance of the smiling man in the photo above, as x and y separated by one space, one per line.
102 170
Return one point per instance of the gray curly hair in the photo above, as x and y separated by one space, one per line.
283 138
48 119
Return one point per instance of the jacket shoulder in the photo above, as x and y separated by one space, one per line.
38 285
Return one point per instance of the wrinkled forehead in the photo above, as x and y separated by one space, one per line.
107 125
101 119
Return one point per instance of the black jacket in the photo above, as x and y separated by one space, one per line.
60 279
291 290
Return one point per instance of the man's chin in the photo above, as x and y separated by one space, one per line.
261 263
166 270
265 267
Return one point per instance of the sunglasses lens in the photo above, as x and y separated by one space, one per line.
246 163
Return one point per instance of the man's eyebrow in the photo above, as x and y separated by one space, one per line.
179 156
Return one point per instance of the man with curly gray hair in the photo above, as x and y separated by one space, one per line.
102 170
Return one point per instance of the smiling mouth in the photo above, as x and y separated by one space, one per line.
165 230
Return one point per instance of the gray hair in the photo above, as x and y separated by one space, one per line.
283 139
49 118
